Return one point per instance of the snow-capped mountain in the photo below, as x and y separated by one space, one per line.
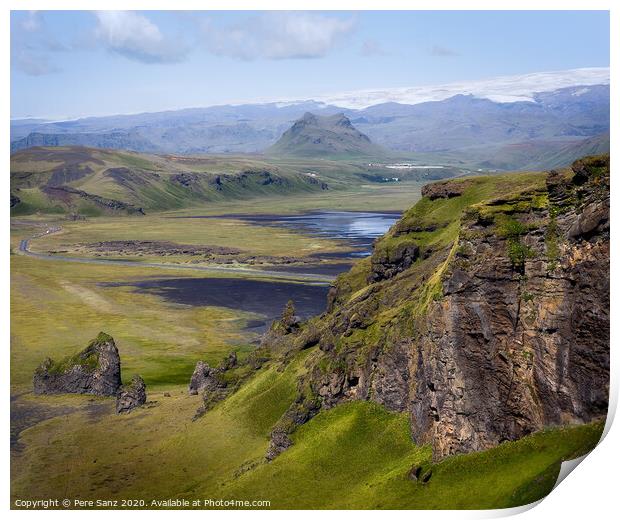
505 89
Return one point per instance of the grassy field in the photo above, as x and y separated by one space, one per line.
360 197
257 240
224 232
56 308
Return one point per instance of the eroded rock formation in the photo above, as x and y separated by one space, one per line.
131 396
95 370
215 384
204 378
444 190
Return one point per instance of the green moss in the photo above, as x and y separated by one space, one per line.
509 227
527 296
87 359
512 229
518 253
235 376
431 290
593 166
102 337
355 280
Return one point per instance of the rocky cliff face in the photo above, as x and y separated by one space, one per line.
520 339
95 370
483 314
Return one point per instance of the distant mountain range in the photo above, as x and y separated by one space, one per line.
503 89
469 129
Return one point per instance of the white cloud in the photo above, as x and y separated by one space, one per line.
505 89
31 45
136 37
278 35
32 63
32 22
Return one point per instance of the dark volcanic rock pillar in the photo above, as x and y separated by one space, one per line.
131 396
95 370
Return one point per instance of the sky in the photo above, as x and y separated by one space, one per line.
68 64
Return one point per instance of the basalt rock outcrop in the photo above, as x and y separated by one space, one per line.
282 330
131 396
279 441
95 370
496 327
214 384
444 190
229 362
205 378
389 262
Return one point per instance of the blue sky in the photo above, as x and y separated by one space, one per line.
79 63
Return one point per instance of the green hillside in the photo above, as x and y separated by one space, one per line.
92 181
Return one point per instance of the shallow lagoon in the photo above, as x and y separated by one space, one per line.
263 297
357 229
266 297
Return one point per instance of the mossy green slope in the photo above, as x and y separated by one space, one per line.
358 456
355 456
67 179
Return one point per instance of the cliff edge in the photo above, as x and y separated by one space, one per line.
483 313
